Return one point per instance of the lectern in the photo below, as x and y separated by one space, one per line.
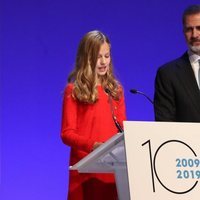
110 157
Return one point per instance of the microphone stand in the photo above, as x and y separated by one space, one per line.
139 92
120 129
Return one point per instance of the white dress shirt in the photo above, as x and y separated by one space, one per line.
194 60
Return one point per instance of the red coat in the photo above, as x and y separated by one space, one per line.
83 125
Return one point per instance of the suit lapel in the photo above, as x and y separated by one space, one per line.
186 76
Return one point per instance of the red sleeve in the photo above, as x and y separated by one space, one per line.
69 133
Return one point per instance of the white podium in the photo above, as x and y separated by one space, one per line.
151 160
110 157
163 160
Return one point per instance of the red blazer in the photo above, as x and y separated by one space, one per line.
82 125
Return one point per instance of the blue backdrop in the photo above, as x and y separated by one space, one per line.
38 44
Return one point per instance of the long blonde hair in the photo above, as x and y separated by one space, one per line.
84 76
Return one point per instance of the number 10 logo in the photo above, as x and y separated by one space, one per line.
180 163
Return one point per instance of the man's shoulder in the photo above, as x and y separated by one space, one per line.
175 63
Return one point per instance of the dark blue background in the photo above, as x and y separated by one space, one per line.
38 44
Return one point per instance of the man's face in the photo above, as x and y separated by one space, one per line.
191 31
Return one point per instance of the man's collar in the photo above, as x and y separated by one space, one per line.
193 57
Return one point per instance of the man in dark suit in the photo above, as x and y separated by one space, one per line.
177 83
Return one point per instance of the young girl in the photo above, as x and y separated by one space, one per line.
91 99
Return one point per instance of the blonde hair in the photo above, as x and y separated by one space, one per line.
84 76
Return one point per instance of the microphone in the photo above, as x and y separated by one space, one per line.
120 129
134 91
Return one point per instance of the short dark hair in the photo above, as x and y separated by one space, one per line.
191 10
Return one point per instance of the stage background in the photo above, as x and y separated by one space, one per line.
38 43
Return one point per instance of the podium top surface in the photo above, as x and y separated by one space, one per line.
92 160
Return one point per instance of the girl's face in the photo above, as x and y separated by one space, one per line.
103 60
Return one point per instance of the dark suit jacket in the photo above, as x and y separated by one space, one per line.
177 96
